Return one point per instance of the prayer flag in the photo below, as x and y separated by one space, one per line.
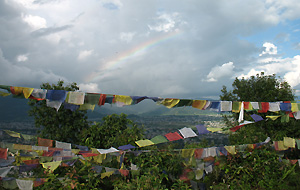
256 117
173 136
187 132
76 98
159 139
142 143
45 142
226 105
126 147
106 151
289 142
13 134
202 129
169 103
199 104
51 165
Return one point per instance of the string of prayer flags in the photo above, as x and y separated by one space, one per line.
106 151
173 136
159 139
187 132
142 143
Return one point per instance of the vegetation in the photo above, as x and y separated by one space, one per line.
62 125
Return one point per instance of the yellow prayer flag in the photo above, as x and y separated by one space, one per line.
169 103
13 134
51 165
273 117
27 92
3 94
294 107
87 107
236 106
281 145
230 149
212 129
289 142
142 143
127 100
198 174
107 174
75 151
99 159
199 104
22 147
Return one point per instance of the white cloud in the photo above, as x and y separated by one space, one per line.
166 22
252 72
84 54
22 58
269 49
127 37
36 22
219 72
89 87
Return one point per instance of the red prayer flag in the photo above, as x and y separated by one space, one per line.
173 136
264 107
246 105
234 129
3 153
198 153
102 99
124 172
45 142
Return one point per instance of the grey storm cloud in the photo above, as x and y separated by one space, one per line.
155 48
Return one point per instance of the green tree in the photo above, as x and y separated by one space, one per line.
260 88
114 130
62 125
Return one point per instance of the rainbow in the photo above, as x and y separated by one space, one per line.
126 55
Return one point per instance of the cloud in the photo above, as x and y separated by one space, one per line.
84 54
165 22
269 49
219 72
127 37
22 58
49 30
89 87
36 22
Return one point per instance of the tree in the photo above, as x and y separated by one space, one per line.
115 130
62 125
260 88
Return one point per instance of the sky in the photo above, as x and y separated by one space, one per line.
161 48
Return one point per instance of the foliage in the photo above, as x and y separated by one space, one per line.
259 169
114 131
260 88
62 125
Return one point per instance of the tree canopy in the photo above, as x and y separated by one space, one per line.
259 88
62 125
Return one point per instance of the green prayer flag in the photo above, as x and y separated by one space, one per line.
159 139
